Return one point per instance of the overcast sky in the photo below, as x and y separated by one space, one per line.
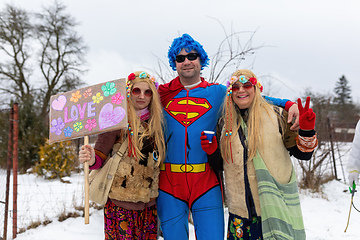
309 43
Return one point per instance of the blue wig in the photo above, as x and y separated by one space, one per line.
189 44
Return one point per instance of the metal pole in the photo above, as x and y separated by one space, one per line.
332 148
342 167
15 166
8 169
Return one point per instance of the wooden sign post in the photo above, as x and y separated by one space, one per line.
86 185
88 111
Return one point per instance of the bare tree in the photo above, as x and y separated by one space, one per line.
41 55
321 167
270 88
54 44
163 72
15 37
229 54
62 52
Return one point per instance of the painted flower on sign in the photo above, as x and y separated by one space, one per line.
78 126
117 99
97 98
87 93
75 96
108 89
57 125
91 123
68 131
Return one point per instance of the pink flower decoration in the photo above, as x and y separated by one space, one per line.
233 79
117 99
91 123
131 76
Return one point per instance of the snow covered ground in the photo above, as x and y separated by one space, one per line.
325 217
325 214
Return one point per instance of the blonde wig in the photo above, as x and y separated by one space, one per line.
232 119
154 129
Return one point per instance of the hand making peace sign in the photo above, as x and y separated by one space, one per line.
307 116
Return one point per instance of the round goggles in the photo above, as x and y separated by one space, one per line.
137 91
190 57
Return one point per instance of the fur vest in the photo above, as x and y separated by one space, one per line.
274 155
136 180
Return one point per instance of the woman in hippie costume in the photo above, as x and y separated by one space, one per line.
255 146
130 211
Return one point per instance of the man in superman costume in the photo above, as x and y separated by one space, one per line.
187 182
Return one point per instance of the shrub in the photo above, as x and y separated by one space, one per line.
57 160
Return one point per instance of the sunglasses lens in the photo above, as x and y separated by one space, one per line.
180 58
235 87
148 93
192 56
247 85
136 91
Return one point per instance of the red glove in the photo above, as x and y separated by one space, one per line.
209 148
307 116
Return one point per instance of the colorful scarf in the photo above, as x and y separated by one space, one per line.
281 216
143 114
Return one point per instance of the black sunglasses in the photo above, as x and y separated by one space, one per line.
190 57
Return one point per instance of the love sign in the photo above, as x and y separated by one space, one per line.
88 111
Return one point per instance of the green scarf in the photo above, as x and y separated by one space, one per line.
281 216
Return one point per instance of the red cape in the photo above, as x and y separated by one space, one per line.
169 90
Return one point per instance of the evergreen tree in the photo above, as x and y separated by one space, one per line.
343 106
343 92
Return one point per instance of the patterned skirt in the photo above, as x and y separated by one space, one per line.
123 224
243 229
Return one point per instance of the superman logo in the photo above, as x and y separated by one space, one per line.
187 110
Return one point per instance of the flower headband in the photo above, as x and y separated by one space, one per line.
142 75
242 79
